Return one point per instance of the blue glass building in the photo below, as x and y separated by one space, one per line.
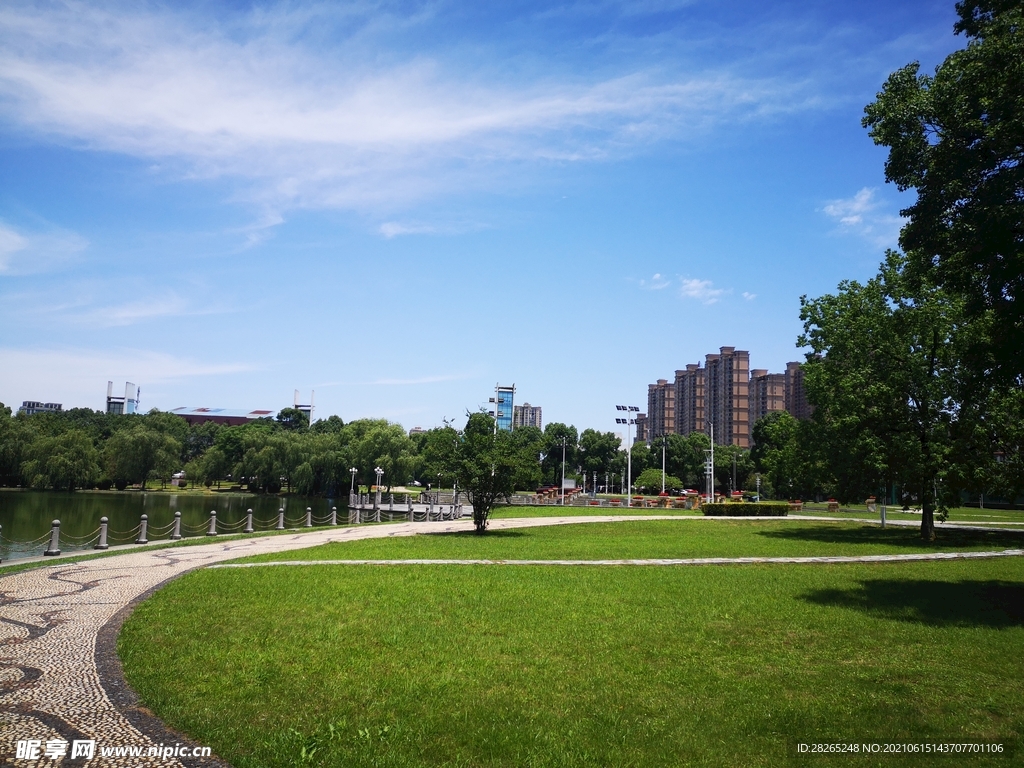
503 406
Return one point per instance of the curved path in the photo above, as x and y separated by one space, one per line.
60 679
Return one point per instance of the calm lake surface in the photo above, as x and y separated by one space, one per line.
25 516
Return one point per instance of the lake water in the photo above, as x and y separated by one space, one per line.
25 516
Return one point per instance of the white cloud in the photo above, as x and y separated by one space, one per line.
749 296
23 253
390 229
864 215
85 304
344 126
656 283
701 290
79 376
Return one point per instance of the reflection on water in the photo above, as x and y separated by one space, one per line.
25 516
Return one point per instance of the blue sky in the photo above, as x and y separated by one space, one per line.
400 204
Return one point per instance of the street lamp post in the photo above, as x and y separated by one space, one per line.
376 497
352 490
629 421
563 470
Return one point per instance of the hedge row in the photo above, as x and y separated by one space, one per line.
735 508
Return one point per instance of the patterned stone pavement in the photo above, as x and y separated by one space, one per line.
60 679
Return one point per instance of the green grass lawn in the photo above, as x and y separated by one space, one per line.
662 539
556 510
568 666
957 515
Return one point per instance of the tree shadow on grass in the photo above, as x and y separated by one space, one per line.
945 538
489 534
994 604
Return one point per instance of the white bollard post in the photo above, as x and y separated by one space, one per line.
102 543
212 530
334 515
54 548
309 517
143 526
248 522
280 519
176 533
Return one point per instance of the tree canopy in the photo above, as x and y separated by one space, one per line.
957 139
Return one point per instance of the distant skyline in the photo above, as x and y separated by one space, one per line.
400 205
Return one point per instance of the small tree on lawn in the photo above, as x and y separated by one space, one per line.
490 465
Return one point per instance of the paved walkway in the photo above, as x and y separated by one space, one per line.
60 679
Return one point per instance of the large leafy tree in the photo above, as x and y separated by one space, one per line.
957 139
597 452
790 455
888 380
555 434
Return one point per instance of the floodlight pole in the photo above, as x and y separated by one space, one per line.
662 463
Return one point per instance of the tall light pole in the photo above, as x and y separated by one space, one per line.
710 468
629 421
662 463
563 469
354 472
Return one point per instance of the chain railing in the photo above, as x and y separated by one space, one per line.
362 509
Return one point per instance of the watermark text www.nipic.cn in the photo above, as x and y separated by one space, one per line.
57 749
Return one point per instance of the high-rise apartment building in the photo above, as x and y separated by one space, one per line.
767 394
526 415
641 429
727 395
796 395
661 409
689 397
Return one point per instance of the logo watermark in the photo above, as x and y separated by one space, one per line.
87 749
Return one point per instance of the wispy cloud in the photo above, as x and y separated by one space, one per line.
397 382
701 290
866 216
419 380
656 283
23 252
78 376
749 296
390 229
329 126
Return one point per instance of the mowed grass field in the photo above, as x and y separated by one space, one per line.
414 665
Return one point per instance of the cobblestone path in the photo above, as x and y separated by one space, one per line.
60 679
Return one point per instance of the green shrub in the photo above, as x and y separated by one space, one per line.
770 508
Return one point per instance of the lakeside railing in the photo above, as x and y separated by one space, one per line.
362 509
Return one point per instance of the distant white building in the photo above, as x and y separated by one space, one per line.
127 404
